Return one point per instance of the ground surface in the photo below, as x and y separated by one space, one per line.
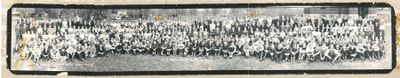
126 62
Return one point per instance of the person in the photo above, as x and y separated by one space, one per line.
225 49
217 49
310 50
286 50
253 49
202 45
135 47
46 51
186 48
272 52
231 50
345 50
246 49
359 52
278 51
294 50
208 47
125 48
175 47
148 47
302 50
169 48
321 49
333 50
163 48
55 55
141 47
159 43
267 49
368 51
37 52
70 52
375 50
194 47
92 50
86 50
154 48
79 51
113 45
260 48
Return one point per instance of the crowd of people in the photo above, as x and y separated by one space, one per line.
298 38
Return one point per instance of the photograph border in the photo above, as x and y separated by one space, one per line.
183 6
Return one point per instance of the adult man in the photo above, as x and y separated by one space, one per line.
209 47
217 49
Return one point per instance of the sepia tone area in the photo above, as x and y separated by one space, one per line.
394 3
300 39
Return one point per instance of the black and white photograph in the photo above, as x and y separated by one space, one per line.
201 39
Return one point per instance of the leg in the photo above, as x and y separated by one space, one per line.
353 56
261 55
207 52
153 53
168 52
327 55
337 56
186 52
301 56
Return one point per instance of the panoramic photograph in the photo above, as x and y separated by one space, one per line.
186 39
